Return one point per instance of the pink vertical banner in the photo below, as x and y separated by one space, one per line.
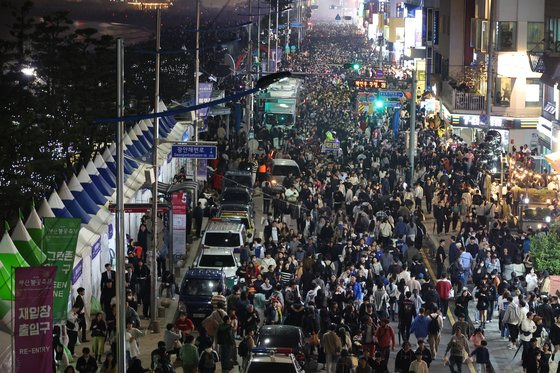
33 315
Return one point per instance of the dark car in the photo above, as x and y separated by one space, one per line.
197 288
236 195
283 336
238 179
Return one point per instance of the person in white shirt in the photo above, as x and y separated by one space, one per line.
532 281
267 262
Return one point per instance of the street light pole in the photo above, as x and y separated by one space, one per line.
276 37
249 99
119 217
412 139
196 93
489 67
258 39
154 324
268 41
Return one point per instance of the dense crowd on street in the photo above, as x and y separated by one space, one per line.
344 249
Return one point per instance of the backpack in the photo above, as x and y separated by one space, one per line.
208 360
243 348
188 355
433 327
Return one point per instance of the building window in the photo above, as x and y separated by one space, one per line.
506 36
535 36
552 37
533 92
502 91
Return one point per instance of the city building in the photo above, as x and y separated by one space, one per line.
457 66
547 61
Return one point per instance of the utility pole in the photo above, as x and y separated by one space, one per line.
154 324
277 37
258 40
268 41
196 93
412 139
490 61
249 99
119 217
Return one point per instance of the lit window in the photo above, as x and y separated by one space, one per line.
506 36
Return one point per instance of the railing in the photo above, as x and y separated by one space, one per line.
462 100
468 101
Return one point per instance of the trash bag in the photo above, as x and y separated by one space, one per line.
95 307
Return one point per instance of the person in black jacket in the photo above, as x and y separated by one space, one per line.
79 304
86 363
403 359
531 357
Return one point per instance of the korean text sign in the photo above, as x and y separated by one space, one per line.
33 316
61 236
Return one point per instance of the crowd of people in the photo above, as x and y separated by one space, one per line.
344 246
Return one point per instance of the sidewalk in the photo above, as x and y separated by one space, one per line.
149 341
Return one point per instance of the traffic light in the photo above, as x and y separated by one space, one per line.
379 104
354 65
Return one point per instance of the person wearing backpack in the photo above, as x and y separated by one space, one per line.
226 341
434 331
189 355
208 360
245 347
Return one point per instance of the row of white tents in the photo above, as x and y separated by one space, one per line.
86 195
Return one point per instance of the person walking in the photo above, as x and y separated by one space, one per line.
208 360
332 347
80 305
225 339
440 258
404 358
72 329
443 287
385 336
98 334
435 327
188 353
86 363
512 318
456 348
198 216
418 365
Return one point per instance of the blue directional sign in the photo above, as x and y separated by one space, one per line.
296 24
194 151
390 94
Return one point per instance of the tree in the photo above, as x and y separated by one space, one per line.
544 251
48 119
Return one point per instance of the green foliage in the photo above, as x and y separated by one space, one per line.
545 251
47 119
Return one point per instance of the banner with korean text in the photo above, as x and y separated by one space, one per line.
59 243
33 324
179 206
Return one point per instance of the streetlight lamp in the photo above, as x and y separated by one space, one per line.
28 71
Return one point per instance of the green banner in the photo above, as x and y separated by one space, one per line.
59 244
